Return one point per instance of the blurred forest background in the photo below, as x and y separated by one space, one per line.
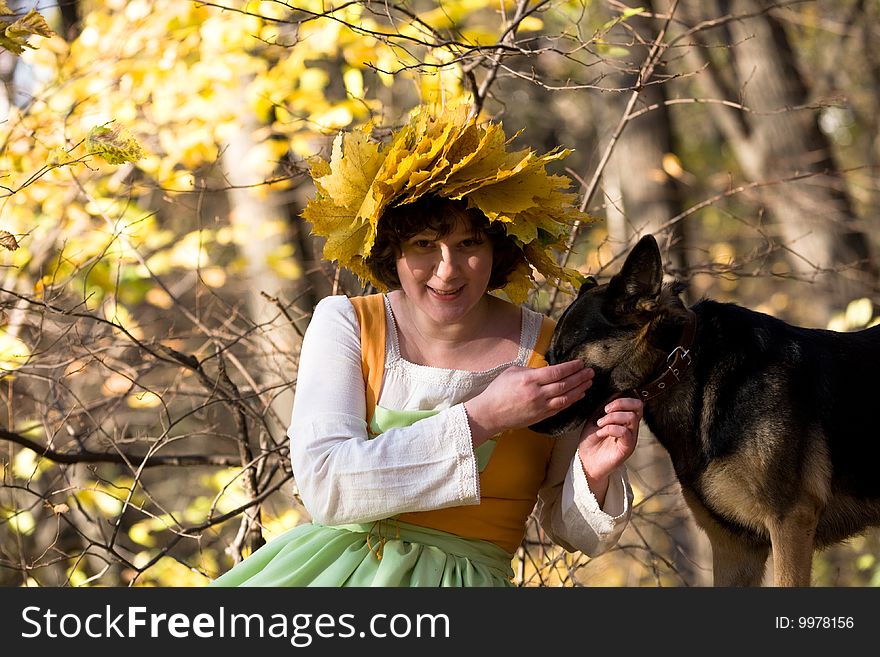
156 278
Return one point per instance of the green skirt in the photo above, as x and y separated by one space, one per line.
383 553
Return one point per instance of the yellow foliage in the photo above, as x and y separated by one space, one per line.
213 276
76 576
58 156
176 80
450 14
859 314
21 522
479 37
15 37
26 465
158 297
117 384
114 144
109 503
276 525
229 487
446 153
354 82
123 323
334 117
13 352
343 185
143 399
531 24
107 498
188 252
281 261
723 253
169 572
866 561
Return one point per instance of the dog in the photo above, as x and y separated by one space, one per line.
771 428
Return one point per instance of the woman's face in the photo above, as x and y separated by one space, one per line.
445 277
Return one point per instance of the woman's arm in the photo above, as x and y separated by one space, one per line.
342 475
586 500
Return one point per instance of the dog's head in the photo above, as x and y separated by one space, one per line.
620 329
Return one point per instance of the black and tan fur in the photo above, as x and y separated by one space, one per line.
772 429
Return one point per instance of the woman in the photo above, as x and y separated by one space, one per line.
408 438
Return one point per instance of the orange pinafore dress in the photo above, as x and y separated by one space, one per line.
469 545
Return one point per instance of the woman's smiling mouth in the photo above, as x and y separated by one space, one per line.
445 293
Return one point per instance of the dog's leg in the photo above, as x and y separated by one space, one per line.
793 537
736 560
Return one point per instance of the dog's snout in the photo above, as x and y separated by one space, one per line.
554 354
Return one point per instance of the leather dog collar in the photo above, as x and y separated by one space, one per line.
678 360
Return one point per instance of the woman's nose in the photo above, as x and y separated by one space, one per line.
447 263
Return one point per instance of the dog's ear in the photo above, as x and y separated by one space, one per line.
588 283
637 285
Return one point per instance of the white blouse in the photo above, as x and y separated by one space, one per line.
344 477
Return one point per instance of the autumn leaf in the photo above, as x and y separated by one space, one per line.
114 144
14 37
8 241
343 186
519 283
58 157
446 153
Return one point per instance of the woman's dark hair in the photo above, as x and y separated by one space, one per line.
438 214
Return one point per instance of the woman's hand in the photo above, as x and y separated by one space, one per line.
521 396
609 441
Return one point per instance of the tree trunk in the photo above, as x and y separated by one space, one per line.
70 19
260 220
258 216
647 197
773 143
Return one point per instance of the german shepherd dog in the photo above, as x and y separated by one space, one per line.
771 428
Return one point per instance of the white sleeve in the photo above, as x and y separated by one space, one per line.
343 476
569 512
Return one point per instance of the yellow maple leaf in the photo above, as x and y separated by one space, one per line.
519 283
448 154
504 200
556 214
539 257
14 37
485 163
114 144
343 185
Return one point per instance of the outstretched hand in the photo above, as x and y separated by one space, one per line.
609 441
521 396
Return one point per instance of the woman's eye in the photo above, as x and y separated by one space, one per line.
471 243
422 244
